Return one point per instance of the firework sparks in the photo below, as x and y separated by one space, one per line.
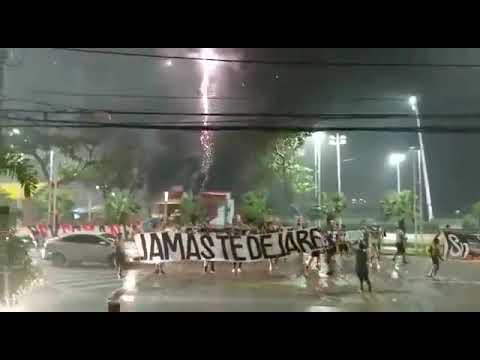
205 137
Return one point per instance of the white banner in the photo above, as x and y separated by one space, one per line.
180 246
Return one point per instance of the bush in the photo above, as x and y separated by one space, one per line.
470 222
14 254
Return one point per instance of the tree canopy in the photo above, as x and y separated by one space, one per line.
284 160
16 166
332 205
119 206
399 206
254 206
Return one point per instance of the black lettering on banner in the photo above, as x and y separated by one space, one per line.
168 245
235 247
155 240
302 238
266 245
101 228
290 243
192 241
258 255
207 247
223 238
280 244
144 247
316 238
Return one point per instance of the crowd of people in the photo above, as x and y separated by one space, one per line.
367 250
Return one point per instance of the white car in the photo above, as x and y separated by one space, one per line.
129 246
80 247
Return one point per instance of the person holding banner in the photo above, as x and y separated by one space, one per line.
271 227
206 263
237 229
332 247
159 265
237 266
315 255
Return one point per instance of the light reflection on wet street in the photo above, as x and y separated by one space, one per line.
186 288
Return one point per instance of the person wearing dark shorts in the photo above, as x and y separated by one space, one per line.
120 257
361 266
400 243
315 254
342 247
435 255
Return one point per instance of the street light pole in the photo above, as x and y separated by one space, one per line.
420 195
395 160
89 208
398 177
317 143
339 168
413 104
165 207
52 195
337 141
413 152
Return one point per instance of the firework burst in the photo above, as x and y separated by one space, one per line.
205 136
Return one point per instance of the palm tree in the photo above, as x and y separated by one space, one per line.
399 206
337 203
14 165
332 205
119 206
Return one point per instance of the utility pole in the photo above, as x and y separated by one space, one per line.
89 209
50 189
420 197
413 152
318 138
414 106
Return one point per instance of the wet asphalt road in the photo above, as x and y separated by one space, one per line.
397 287
186 288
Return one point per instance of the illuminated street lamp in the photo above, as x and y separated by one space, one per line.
337 140
15 131
395 159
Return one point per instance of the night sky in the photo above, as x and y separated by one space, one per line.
96 81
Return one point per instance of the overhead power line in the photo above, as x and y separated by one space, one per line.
37 102
270 128
325 116
133 96
318 63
